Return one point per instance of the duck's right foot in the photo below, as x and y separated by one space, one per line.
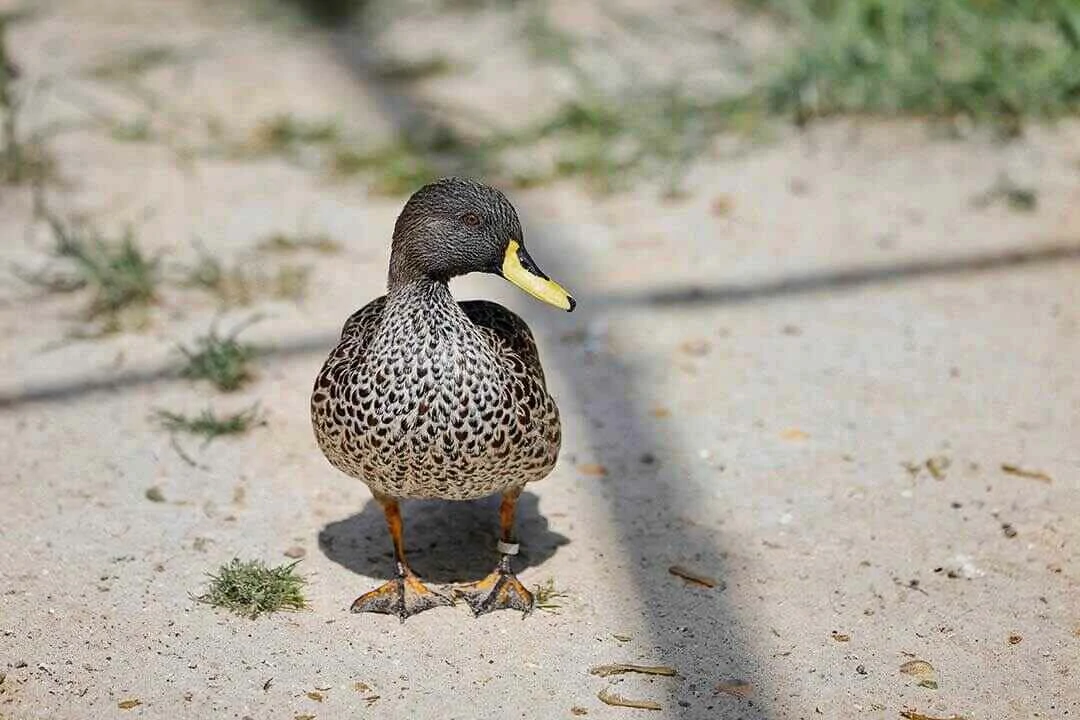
403 596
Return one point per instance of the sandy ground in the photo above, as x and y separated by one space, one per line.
752 387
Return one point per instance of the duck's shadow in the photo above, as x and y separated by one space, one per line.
445 541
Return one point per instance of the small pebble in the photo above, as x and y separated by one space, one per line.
295 552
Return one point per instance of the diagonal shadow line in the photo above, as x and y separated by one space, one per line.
850 278
647 537
73 387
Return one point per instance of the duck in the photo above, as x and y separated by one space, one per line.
426 397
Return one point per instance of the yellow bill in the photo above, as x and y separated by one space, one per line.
519 268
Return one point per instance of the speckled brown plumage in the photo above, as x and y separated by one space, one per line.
425 397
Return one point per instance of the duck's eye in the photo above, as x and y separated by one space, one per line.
470 219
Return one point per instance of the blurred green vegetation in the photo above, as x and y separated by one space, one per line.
990 60
994 63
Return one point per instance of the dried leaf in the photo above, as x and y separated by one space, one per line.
592 469
735 688
922 671
696 348
316 696
691 576
619 668
1015 639
1029 474
619 701
912 715
304 717
622 638
129 704
840 637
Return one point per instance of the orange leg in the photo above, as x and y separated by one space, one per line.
501 590
405 595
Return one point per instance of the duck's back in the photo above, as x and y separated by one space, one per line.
416 404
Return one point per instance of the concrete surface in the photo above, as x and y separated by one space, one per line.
752 386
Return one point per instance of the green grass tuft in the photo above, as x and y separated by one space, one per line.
614 139
1016 197
285 135
224 361
119 273
22 160
402 71
281 242
251 588
208 424
997 60
396 169
241 284
134 131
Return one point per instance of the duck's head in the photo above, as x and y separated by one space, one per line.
456 226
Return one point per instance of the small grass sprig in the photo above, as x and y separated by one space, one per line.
119 272
208 424
546 594
22 159
286 135
250 588
281 242
223 360
241 284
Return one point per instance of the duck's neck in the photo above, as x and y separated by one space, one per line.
426 291
426 302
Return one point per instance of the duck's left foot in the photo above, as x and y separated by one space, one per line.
501 590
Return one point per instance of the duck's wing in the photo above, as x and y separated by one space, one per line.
362 324
508 331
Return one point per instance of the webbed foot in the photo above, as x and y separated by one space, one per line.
403 596
501 590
